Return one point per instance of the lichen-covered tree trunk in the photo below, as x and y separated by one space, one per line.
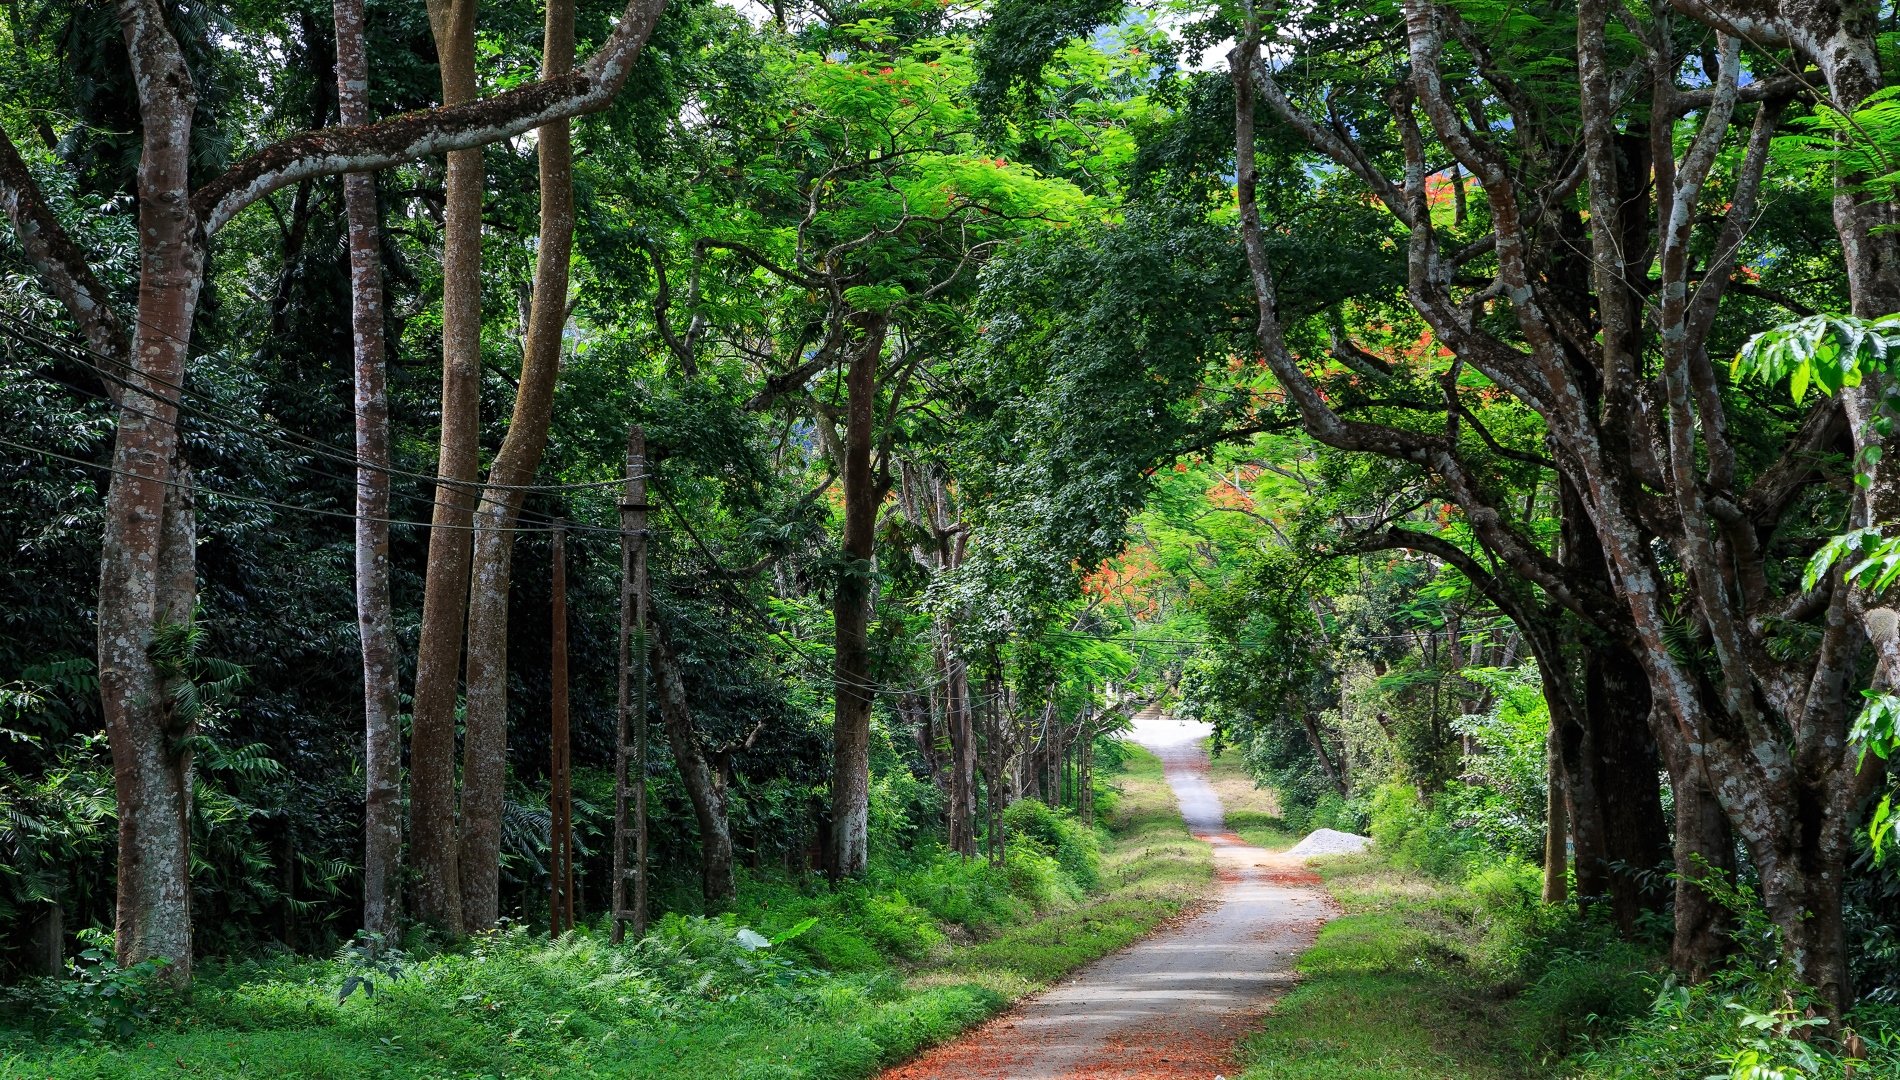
1703 844
485 745
375 624
147 574
434 842
1556 819
962 818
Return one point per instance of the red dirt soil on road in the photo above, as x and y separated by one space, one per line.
1173 1005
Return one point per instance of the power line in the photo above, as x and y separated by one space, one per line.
427 500
276 504
38 336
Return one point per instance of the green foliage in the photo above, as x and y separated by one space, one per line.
744 994
1420 837
1020 40
99 999
368 958
1036 828
1829 351
1424 977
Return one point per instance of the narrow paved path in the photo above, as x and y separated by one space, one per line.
1171 1006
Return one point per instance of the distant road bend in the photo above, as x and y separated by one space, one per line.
1172 1006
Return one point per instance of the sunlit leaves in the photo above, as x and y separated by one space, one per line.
1829 351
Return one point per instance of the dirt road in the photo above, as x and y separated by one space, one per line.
1171 1006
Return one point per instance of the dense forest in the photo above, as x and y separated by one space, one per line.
607 490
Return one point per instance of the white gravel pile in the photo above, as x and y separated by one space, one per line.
1329 842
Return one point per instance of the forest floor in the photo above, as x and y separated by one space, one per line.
1172 1006
514 1009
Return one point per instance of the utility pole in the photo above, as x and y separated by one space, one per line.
560 765
630 745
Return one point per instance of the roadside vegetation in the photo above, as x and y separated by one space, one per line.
1447 965
802 981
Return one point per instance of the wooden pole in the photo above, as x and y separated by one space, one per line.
561 794
630 745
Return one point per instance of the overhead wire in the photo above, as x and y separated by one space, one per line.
258 500
29 333
41 337
410 496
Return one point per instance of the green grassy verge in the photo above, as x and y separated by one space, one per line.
875 981
1422 979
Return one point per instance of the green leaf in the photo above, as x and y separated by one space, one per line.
796 931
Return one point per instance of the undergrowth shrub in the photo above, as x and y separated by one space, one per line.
1750 1021
1418 837
1055 833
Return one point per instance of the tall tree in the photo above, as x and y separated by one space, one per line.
435 844
485 748
853 691
1766 729
148 560
382 744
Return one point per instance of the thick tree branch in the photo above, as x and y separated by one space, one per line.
434 131
61 264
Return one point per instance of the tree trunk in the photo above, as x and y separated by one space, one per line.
445 588
485 749
1703 843
1628 784
962 759
703 788
851 616
146 573
1319 749
1556 819
151 767
1584 809
145 577
375 623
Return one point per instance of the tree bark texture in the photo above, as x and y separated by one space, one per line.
434 838
1703 844
1556 819
485 746
853 692
375 623
703 787
958 719
147 575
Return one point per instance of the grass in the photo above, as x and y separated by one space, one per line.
1253 812
1424 979
907 960
1152 870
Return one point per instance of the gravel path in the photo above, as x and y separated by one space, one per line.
1171 1006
